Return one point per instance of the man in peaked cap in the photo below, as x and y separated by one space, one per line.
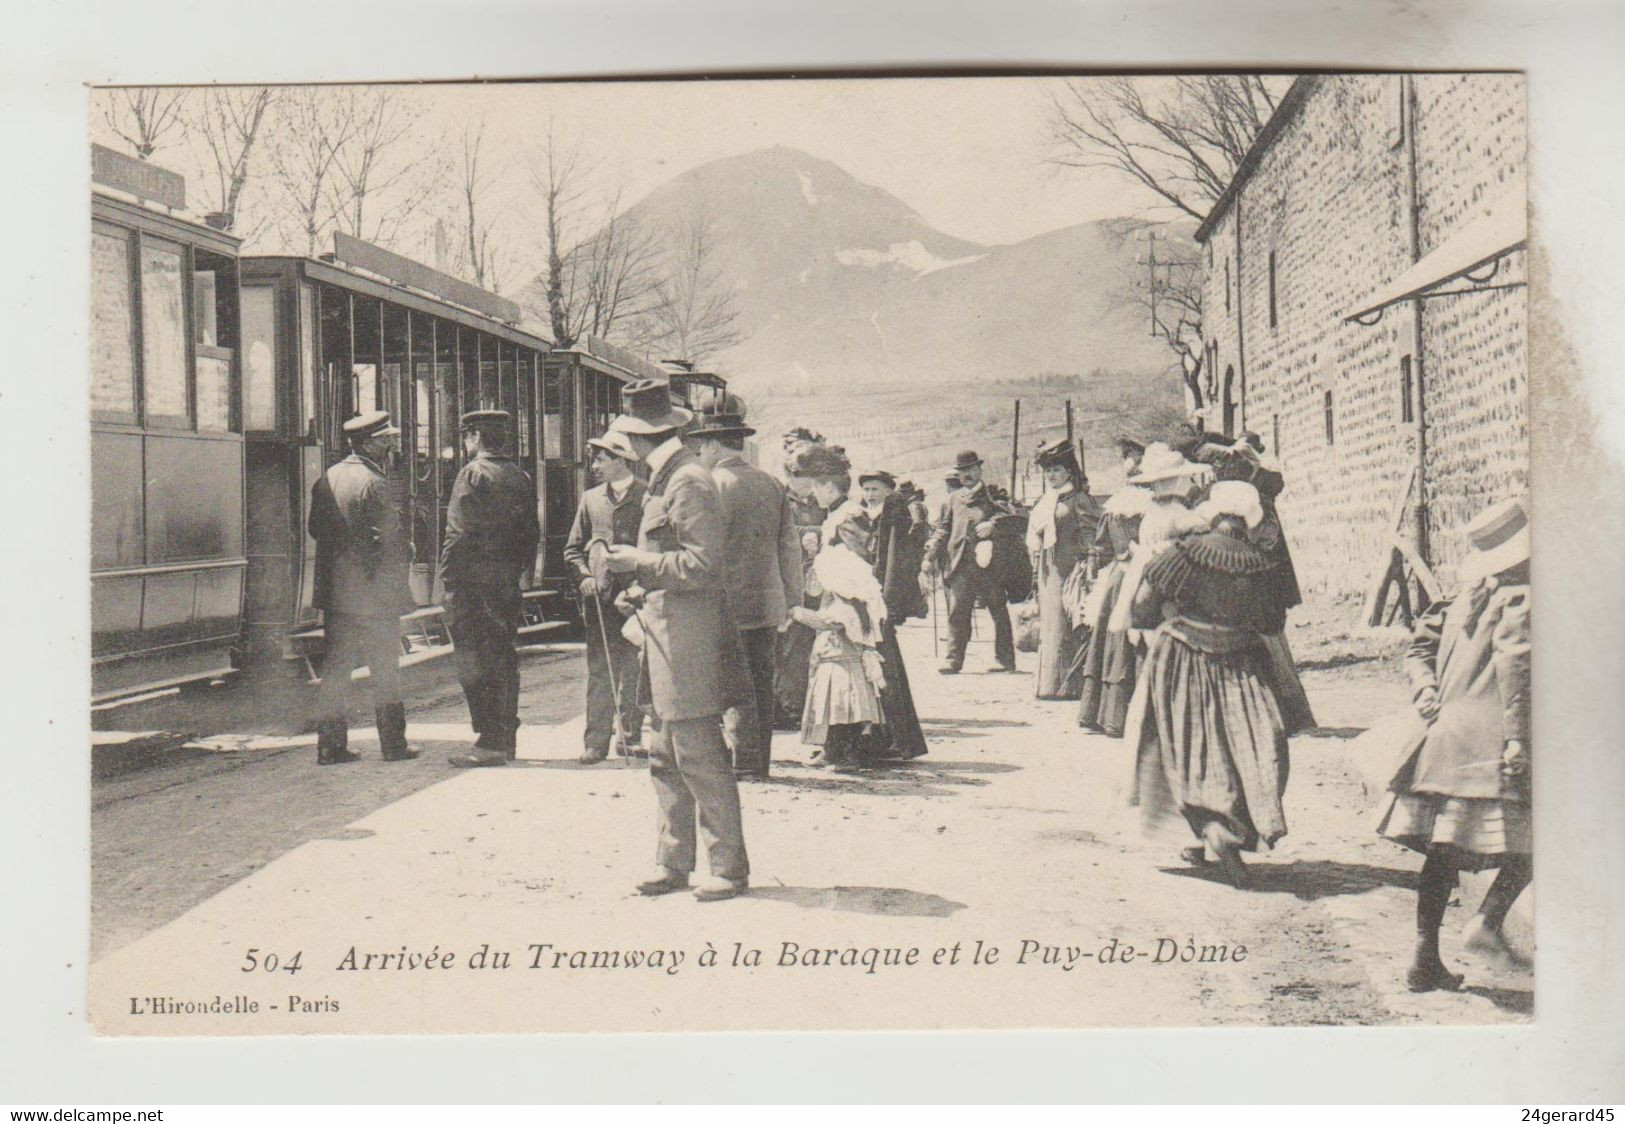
762 576
969 516
491 536
608 515
678 596
362 558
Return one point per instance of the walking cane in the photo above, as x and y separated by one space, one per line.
617 742
934 653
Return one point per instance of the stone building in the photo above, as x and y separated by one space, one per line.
1364 313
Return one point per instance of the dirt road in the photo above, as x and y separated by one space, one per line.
1012 831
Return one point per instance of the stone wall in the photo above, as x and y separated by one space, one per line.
1327 199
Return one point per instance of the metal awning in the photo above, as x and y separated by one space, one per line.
1477 246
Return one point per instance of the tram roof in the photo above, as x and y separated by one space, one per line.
357 279
618 361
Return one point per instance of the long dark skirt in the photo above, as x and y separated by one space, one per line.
1215 747
1108 668
900 735
790 676
1057 640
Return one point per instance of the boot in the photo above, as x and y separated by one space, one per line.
392 732
332 743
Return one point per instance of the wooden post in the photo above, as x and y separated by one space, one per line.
1015 450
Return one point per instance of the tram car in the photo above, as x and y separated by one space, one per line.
220 385
168 551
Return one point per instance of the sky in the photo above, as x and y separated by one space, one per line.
967 153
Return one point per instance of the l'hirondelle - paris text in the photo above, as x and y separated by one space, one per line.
1026 953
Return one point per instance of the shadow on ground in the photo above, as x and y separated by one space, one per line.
1306 880
882 900
1518 1001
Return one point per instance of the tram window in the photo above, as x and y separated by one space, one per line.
525 367
308 360
214 393
205 310
553 415
468 361
163 336
259 357
490 387
509 389
112 321
364 363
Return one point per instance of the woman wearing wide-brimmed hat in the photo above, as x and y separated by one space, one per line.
1171 481
1215 749
1108 658
1460 794
1060 530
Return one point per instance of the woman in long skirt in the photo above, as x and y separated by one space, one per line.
1171 480
878 530
1060 532
1215 750
1242 461
1460 794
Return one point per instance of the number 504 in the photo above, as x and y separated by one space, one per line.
255 960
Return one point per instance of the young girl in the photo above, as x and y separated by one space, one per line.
845 678
1460 794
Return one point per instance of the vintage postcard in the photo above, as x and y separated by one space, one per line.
863 553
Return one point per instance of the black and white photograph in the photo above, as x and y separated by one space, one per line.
843 553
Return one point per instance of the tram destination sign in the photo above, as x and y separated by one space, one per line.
137 177
375 259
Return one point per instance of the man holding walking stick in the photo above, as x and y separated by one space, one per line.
608 514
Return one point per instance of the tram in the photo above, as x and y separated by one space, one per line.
364 329
168 553
220 385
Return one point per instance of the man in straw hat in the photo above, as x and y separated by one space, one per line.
678 596
762 575
969 517
1460 794
491 536
607 515
362 557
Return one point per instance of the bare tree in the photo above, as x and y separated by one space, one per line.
1165 283
610 283
603 262
146 118
1181 139
478 217
695 309
383 171
230 121
313 126
557 171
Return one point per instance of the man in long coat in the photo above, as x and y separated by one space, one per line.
678 598
491 535
761 575
608 514
362 558
970 517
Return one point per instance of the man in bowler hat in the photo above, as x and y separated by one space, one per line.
362 558
678 598
969 517
491 535
608 514
761 575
